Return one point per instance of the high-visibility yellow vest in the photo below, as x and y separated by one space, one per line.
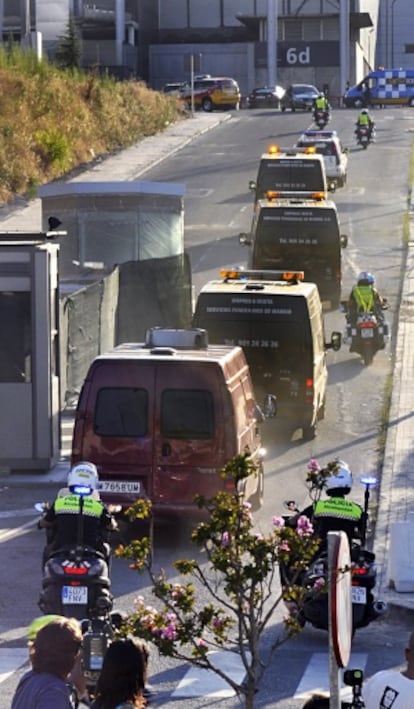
70 505
364 297
363 119
338 507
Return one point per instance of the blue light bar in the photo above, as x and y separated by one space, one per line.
81 490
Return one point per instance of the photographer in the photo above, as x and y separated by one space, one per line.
390 689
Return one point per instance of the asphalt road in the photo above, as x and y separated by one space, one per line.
216 168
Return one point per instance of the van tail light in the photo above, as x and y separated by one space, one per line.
309 391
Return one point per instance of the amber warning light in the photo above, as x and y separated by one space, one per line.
237 274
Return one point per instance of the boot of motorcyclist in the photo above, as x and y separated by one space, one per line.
335 513
364 120
62 517
365 298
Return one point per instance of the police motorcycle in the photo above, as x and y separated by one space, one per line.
76 584
363 136
313 606
321 117
368 335
364 133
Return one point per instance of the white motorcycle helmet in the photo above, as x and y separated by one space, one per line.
83 474
340 480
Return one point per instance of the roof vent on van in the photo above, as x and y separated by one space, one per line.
194 338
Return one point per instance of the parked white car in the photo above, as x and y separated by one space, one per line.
327 143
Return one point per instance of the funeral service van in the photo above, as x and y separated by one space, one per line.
296 172
277 319
161 419
300 232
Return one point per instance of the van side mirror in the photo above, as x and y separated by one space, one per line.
336 341
270 406
244 239
344 241
252 185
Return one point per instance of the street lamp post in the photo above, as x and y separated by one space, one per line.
392 32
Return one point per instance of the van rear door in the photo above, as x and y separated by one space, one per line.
114 428
189 432
292 236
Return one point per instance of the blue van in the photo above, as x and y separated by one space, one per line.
382 87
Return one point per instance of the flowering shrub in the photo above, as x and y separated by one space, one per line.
239 576
318 475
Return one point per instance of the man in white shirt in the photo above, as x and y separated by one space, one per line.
389 689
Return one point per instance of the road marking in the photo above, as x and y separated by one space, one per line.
198 682
316 676
6 534
11 659
27 512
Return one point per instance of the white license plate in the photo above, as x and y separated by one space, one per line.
359 595
74 595
120 487
367 332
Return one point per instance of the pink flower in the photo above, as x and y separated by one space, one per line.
304 526
313 465
319 583
278 522
284 546
200 642
225 539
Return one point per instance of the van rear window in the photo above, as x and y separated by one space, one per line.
187 413
254 321
290 175
121 411
285 237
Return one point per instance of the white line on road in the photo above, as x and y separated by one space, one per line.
316 676
6 534
198 682
10 660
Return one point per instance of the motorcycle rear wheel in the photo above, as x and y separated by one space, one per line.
368 357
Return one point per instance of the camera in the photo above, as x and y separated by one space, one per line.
354 679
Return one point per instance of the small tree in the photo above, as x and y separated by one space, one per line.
68 52
239 578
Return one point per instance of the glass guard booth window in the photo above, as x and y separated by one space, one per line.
16 343
121 412
187 413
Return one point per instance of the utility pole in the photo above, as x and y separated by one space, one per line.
272 42
25 23
344 44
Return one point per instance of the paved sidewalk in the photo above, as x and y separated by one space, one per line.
397 486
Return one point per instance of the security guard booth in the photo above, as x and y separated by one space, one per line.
29 352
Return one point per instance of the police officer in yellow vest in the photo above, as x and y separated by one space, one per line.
322 103
364 298
336 513
365 120
62 518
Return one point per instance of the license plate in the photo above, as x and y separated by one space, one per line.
73 595
359 595
367 332
120 487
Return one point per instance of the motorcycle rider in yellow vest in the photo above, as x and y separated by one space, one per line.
321 104
364 120
364 298
62 518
